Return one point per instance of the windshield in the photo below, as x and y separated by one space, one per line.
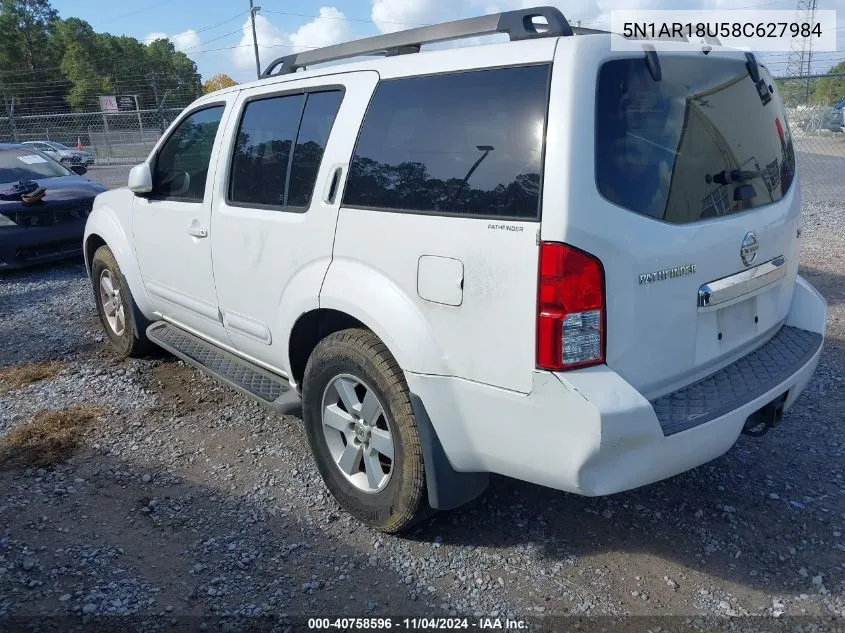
703 141
55 145
26 164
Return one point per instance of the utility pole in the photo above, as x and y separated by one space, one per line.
800 60
252 11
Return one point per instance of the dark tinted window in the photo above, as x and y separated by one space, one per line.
26 164
465 143
317 120
181 167
262 150
662 145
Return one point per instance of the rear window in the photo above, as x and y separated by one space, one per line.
467 143
700 143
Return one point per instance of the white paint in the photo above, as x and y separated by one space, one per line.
32 159
589 431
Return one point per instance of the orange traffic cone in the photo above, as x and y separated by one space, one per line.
79 143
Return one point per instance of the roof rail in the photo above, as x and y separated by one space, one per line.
519 25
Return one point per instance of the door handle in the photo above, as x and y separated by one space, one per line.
331 191
197 231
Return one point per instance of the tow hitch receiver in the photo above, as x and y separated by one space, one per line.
763 420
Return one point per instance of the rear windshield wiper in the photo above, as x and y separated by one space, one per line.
753 69
728 176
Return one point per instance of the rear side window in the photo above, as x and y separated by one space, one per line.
700 143
468 143
279 149
317 120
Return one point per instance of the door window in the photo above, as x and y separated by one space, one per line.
181 167
264 172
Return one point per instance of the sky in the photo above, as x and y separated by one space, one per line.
217 35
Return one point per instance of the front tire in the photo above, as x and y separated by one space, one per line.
123 324
361 429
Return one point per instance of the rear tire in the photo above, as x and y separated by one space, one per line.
122 321
370 458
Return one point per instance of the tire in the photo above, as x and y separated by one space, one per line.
65 162
356 357
124 325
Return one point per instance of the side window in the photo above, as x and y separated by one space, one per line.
279 148
181 167
262 150
317 120
468 143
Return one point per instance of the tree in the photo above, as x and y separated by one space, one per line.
29 55
50 65
218 82
81 64
173 75
830 90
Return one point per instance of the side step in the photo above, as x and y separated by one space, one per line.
251 380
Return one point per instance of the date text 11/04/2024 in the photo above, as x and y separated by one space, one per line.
415 624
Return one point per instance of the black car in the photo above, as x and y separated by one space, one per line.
43 207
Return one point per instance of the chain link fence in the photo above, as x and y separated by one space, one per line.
114 138
815 107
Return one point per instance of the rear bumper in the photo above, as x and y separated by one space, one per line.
26 246
589 431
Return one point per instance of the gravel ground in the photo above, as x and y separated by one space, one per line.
189 500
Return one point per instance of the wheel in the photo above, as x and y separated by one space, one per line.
361 429
122 322
65 162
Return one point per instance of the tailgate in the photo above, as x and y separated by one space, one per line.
693 213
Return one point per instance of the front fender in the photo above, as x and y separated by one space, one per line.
369 296
111 221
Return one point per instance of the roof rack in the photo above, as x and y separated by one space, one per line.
519 25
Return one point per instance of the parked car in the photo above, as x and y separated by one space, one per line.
834 120
537 258
43 207
67 156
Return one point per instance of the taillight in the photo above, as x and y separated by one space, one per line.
570 308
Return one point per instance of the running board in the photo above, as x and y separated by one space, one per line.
248 378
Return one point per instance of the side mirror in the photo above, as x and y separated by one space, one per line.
79 170
140 179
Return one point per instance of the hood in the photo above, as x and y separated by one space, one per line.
60 192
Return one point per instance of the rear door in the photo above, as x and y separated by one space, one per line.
685 189
275 211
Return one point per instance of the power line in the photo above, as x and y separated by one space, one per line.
136 12
203 30
345 19
107 57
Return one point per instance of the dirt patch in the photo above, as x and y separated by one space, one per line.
182 389
45 440
23 375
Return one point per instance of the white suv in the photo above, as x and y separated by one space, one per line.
542 258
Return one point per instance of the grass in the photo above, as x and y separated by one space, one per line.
47 439
22 375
